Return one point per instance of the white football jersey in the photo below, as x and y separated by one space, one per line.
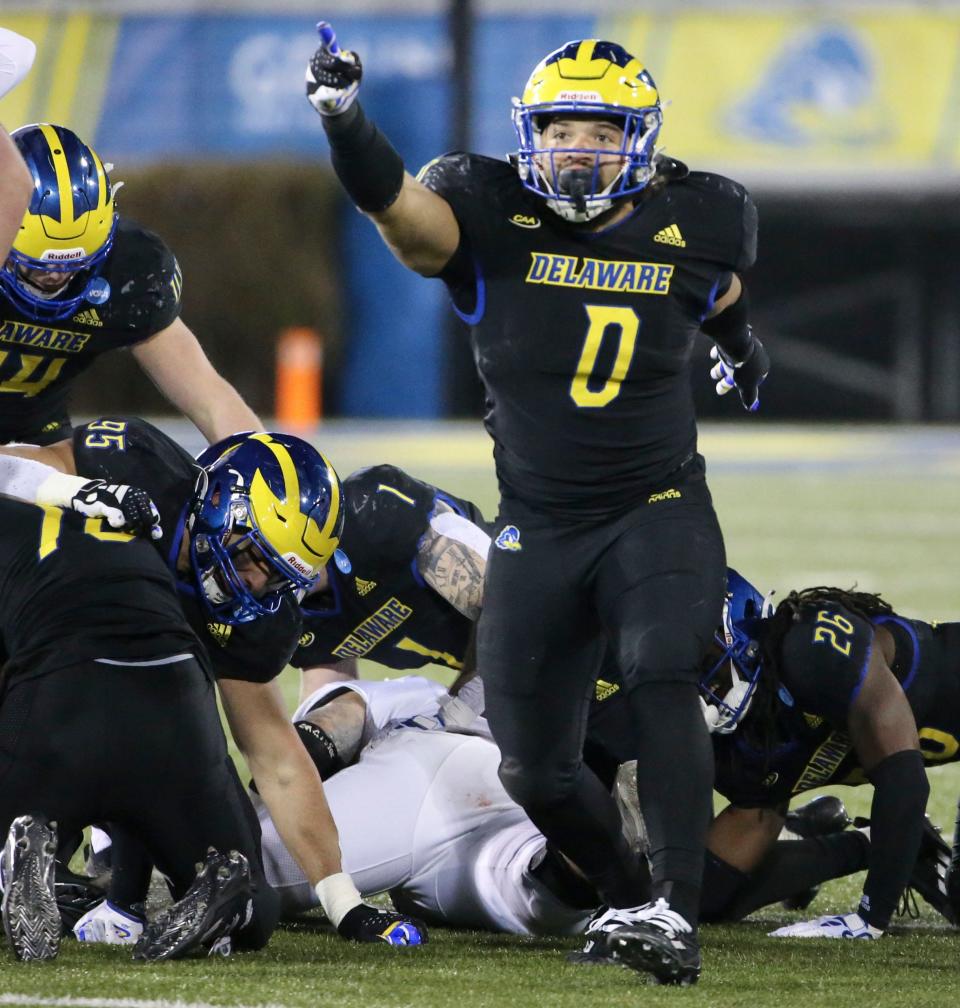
422 814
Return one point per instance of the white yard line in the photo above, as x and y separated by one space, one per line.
81 1002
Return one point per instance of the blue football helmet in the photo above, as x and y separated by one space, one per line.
592 79
69 225
727 687
267 500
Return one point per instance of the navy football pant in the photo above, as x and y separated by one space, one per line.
139 747
649 585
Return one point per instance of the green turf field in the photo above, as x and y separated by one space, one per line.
799 506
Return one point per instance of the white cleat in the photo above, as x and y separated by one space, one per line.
107 924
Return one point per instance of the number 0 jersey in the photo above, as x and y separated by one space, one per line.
129 450
381 608
72 589
38 360
582 339
824 661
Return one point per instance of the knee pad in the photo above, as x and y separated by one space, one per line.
665 652
537 786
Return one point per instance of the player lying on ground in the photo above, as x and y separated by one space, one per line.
243 536
410 776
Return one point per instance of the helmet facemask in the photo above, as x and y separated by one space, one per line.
241 516
728 686
579 194
68 228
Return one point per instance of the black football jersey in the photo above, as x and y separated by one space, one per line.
381 608
73 589
129 450
824 662
38 360
582 339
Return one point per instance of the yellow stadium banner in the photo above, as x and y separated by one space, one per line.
864 93
69 78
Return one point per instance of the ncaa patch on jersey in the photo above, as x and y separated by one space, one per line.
509 539
342 561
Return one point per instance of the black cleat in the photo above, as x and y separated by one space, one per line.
599 927
31 919
218 902
929 876
661 944
820 816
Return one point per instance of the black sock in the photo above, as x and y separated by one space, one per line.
795 865
721 884
674 781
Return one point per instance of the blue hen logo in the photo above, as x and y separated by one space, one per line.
509 539
820 86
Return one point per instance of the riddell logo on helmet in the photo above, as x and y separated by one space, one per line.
298 565
63 255
593 96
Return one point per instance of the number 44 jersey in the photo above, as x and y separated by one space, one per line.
39 359
582 338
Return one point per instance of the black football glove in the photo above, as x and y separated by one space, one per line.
333 75
747 376
367 924
124 507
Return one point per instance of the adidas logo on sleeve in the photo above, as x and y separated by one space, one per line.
670 235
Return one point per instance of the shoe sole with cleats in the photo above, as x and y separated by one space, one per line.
31 918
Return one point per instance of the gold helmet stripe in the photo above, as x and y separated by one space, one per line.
333 512
69 226
324 544
66 226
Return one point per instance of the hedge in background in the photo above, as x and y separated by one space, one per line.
256 244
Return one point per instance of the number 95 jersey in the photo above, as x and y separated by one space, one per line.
583 338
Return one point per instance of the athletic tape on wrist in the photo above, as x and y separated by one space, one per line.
462 530
59 489
338 896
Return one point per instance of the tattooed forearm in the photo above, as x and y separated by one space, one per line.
454 571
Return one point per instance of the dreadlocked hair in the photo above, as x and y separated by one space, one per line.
762 726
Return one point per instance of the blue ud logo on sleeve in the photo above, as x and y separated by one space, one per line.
509 539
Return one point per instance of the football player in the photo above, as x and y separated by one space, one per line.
95 642
585 269
405 587
422 815
243 535
833 687
81 280
16 58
